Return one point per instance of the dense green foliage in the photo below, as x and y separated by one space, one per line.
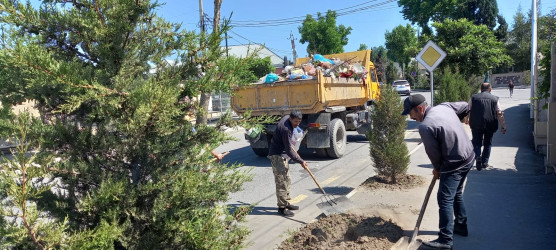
519 43
473 48
322 35
413 73
401 44
386 137
259 67
452 87
380 60
363 46
113 163
392 74
547 35
422 12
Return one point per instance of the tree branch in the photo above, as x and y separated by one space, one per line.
99 14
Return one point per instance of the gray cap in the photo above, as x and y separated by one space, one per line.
412 102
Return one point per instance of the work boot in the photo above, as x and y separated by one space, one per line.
285 212
292 207
478 164
486 165
461 229
438 243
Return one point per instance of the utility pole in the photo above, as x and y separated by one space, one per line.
202 16
293 46
226 37
533 58
204 98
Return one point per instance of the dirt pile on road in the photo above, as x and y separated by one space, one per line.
406 181
355 230
345 231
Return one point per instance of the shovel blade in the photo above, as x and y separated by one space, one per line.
334 206
401 244
405 244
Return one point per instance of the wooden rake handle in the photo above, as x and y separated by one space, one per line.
310 173
223 155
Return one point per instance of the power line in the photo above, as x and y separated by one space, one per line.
294 20
273 49
297 17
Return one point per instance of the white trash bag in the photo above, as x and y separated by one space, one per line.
297 136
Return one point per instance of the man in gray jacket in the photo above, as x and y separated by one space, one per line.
451 154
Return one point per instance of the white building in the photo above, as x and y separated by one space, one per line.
242 51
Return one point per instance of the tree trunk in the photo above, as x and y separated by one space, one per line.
201 117
205 97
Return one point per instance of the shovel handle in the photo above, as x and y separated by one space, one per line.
423 207
310 173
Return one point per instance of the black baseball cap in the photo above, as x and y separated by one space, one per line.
412 102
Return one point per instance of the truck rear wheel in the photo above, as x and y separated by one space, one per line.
263 152
338 138
321 152
262 144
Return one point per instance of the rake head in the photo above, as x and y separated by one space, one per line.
329 199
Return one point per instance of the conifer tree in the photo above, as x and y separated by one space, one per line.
111 80
386 137
452 88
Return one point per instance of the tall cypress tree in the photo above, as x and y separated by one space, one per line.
112 162
386 137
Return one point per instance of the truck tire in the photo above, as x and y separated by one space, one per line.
262 152
321 152
338 138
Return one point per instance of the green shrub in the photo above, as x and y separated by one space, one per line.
452 87
386 137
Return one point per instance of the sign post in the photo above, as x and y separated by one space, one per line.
430 56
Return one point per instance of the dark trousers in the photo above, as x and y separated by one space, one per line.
482 137
450 202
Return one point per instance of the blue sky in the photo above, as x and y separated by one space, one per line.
368 25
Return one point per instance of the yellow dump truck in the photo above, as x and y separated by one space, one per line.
330 105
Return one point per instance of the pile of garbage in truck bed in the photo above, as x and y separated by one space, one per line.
330 67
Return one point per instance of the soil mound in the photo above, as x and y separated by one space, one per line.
406 181
345 231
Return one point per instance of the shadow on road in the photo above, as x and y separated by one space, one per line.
337 190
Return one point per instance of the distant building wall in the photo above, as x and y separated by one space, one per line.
502 80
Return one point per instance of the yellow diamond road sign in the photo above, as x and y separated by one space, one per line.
430 56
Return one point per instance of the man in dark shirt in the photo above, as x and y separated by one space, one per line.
279 151
451 154
511 86
484 115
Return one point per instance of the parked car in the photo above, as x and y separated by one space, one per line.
402 86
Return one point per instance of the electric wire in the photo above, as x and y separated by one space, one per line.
297 17
294 20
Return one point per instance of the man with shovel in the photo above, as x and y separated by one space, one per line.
451 154
280 148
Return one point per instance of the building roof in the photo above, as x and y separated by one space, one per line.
242 51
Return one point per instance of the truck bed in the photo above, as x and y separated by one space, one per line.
310 96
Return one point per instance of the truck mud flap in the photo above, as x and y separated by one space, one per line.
318 138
